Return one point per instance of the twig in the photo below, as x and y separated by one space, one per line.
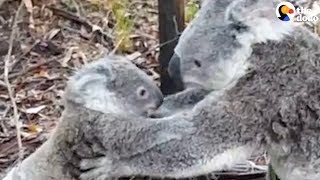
5 131
3 84
93 28
21 73
156 47
6 79
176 26
117 46
24 54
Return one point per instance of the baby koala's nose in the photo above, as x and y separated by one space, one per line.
158 102
158 97
155 104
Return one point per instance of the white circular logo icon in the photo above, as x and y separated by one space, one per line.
285 11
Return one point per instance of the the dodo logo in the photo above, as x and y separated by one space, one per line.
285 11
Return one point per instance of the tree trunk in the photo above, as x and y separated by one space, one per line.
171 20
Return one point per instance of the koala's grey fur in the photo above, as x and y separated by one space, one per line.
275 104
210 42
221 32
181 101
266 76
106 104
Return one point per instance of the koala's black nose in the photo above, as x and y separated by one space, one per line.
175 72
159 102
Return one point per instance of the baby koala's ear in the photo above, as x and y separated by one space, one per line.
260 17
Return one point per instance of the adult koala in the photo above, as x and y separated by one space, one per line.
265 76
211 50
106 104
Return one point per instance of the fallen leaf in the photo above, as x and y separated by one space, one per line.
35 110
96 28
43 73
33 128
29 6
134 56
68 56
53 33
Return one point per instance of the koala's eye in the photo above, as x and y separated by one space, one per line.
239 27
142 92
197 63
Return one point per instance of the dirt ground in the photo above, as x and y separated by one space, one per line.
52 39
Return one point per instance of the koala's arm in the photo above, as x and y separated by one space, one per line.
127 138
131 136
181 101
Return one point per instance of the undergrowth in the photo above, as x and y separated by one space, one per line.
123 21
191 10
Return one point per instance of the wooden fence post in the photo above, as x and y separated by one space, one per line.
171 20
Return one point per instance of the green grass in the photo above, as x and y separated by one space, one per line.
191 10
123 21
124 24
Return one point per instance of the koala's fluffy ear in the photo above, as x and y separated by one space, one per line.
244 10
95 74
260 17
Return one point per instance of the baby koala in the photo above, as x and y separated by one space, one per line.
106 104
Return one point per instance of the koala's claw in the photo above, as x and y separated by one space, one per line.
95 169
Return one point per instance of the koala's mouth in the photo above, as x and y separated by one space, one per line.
152 108
151 112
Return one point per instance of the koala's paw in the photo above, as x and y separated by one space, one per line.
159 113
182 127
96 169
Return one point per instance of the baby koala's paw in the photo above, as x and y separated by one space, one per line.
181 126
159 113
178 124
96 169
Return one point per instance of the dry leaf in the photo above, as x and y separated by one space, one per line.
29 6
134 55
53 33
33 128
96 28
31 131
43 73
68 56
35 110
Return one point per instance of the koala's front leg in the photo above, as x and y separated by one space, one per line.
180 101
103 168
139 137
96 168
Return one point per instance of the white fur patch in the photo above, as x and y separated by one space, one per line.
223 161
265 29
9 176
261 31
100 100
16 174
90 91
233 69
